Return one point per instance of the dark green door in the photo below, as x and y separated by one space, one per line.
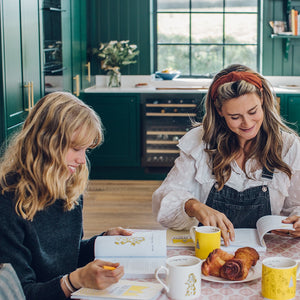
31 58
293 111
14 105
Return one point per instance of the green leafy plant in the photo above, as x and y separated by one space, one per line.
117 54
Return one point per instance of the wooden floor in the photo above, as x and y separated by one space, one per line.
112 203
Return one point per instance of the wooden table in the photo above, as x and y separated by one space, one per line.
276 246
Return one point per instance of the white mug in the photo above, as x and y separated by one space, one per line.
183 277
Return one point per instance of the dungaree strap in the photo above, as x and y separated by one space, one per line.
267 174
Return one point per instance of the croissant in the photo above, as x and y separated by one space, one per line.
215 260
238 268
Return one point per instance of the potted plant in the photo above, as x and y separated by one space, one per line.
114 55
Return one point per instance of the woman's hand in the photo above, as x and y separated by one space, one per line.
210 217
295 220
118 231
94 276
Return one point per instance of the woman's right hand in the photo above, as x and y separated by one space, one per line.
208 216
94 276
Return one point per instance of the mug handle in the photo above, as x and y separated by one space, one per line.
159 269
192 232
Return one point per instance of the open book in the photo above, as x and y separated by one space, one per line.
124 289
140 254
251 237
244 237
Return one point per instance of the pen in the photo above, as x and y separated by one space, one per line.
108 268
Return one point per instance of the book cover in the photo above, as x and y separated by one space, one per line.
179 239
124 289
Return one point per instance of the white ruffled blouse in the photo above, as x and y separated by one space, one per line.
191 177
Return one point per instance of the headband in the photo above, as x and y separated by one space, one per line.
234 76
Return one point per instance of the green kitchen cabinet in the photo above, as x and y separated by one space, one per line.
120 115
80 64
20 62
65 52
290 110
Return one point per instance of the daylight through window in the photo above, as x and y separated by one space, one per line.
200 37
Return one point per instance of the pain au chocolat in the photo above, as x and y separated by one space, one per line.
232 267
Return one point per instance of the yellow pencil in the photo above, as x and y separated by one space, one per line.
108 268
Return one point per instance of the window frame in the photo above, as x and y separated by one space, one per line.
190 44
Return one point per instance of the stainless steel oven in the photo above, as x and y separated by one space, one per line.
166 118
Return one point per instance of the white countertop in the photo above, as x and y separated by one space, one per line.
280 84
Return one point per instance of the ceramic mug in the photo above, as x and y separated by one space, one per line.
183 277
279 278
206 239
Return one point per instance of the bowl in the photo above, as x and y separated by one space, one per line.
167 76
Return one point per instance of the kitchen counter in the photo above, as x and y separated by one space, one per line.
280 84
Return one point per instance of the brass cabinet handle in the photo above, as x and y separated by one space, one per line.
88 65
77 91
32 95
29 95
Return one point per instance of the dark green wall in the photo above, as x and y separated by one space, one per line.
131 19
121 20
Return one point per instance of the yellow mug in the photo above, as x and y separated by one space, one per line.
279 278
206 239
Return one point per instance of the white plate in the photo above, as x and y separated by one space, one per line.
290 86
254 273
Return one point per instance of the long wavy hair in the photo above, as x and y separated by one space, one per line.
222 145
34 167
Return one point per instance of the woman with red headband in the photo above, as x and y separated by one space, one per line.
240 164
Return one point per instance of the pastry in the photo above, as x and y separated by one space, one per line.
215 260
238 268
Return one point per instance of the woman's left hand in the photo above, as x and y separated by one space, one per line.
118 231
295 220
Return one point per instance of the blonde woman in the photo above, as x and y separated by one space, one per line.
240 164
43 175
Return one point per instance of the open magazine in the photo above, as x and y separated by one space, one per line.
251 237
244 237
140 254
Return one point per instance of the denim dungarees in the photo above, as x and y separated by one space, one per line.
243 209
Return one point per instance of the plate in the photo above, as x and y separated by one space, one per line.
254 273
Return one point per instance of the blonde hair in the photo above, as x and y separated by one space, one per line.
222 144
34 166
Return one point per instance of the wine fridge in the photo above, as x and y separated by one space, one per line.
166 118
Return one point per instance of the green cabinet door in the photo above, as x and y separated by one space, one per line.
120 117
21 62
31 56
13 102
290 110
80 63
293 111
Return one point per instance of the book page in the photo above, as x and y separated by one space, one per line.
139 267
124 289
140 254
139 244
244 237
271 222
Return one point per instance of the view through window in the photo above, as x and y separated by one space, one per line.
200 37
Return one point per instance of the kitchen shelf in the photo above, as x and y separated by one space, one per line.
286 39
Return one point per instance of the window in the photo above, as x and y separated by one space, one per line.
200 37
